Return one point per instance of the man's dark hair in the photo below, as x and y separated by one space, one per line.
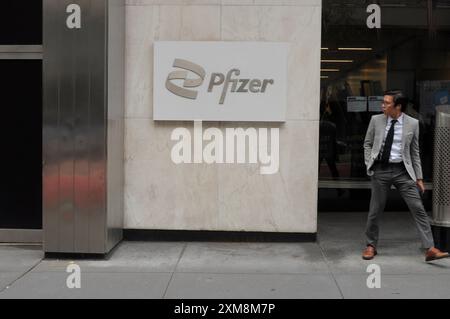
399 98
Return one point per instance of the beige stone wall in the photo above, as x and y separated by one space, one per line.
235 197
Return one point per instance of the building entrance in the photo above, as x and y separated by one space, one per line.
21 125
369 47
21 135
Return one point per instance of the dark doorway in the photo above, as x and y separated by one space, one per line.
411 52
21 22
21 136
21 103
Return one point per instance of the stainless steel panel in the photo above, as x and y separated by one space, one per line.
81 137
50 151
97 156
79 176
441 167
67 47
116 126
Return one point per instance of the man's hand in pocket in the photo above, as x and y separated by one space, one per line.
421 185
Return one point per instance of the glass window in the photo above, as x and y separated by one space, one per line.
21 135
21 22
410 51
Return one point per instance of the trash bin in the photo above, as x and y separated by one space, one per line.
441 178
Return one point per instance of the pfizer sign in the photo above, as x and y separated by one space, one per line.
220 81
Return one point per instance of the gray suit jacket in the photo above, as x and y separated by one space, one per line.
410 144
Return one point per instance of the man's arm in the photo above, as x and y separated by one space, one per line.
415 158
415 154
368 141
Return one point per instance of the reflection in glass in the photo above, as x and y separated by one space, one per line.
410 51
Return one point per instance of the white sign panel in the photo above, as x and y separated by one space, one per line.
375 103
220 81
356 104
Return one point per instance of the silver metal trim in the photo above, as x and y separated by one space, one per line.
21 49
356 184
21 52
21 56
26 236
83 128
440 223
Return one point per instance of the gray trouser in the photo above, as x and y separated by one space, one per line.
382 179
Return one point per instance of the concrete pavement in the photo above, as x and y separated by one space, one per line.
330 268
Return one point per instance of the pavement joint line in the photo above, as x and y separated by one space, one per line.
103 272
319 273
398 275
392 274
322 273
329 268
253 273
174 270
20 277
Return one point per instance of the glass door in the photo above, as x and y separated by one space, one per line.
369 47
21 125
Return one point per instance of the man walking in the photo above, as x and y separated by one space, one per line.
391 153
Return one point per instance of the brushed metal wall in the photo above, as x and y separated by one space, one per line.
116 123
83 127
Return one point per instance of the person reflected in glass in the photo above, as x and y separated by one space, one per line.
328 144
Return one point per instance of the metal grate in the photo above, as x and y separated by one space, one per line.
441 167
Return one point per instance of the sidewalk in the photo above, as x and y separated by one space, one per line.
330 268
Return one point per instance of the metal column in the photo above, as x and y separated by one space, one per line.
83 125
441 178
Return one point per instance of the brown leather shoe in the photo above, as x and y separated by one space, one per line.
434 254
369 252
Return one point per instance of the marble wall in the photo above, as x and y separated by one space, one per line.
233 197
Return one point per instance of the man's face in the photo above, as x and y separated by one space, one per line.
388 106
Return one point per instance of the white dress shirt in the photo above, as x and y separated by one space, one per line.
396 150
